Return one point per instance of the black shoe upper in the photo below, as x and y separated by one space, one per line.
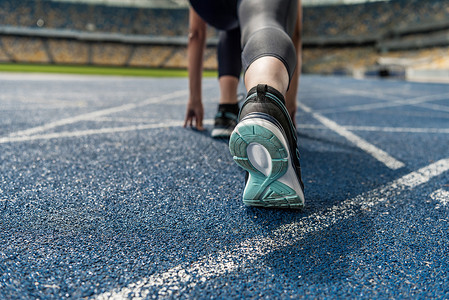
225 120
226 116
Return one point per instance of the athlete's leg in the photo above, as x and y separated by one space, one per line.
292 93
264 143
269 55
229 69
229 65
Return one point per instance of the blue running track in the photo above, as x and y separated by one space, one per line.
103 194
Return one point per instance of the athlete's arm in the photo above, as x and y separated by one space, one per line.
195 51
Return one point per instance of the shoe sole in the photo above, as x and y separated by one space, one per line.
259 147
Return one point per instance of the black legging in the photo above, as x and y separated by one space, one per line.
263 27
229 53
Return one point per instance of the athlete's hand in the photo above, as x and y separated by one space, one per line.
194 115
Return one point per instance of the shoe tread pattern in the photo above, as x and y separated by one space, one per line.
262 190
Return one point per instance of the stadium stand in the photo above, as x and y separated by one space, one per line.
4 57
69 52
338 39
25 49
110 54
341 60
150 56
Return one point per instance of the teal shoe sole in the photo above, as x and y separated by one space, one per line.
258 150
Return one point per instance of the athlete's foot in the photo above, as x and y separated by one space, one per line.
264 143
225 120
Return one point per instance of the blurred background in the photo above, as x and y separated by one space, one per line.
398 38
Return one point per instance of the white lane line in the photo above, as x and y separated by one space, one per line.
100 113
380 129
81 133
372 150
442 196
436 107
398 129
418 101
361 93
122 120
177 123
184 277
140 120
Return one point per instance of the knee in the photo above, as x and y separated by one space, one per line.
270 42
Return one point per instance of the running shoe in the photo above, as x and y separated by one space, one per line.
264 143
225 121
